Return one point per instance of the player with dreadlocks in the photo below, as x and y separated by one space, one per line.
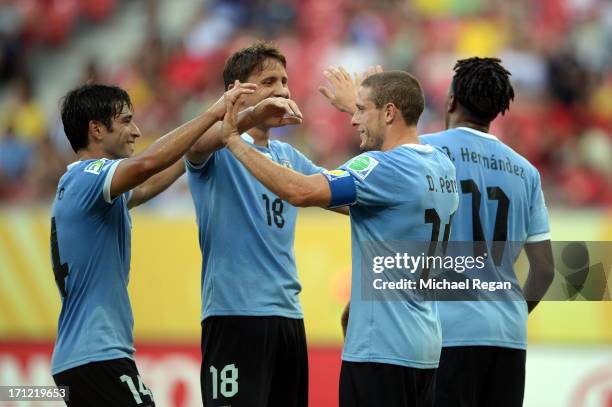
482 88
484 342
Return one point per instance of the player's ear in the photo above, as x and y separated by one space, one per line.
390 113
95 130
451 105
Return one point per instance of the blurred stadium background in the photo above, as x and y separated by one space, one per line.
169 56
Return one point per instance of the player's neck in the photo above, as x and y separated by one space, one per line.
469 124
92 154
399 135
260 136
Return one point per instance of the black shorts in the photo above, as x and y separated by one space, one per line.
115 383
381 384
480 376
254 362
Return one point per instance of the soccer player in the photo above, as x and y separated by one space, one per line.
253 339
501 200
392 347
90 238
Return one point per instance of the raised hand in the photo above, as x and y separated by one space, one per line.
276 112
371 71
219 108
343 93
231 106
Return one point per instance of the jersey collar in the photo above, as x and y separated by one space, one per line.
478 133
69 166
247 137
422 148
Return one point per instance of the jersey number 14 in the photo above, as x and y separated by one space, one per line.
60 270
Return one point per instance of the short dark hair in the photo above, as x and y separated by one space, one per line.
90 102
249 60
482 86
399 88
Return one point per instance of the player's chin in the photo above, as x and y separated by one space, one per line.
364 142
129 150
367 144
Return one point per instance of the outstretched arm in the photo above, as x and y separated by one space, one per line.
133 171
289 185
156 184
271 111
209 142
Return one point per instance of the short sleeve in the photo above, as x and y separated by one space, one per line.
538 228
201 168
108 179
94 183
303 165
374 180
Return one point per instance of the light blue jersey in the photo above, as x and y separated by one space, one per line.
246 235
500 200
90 252
390 195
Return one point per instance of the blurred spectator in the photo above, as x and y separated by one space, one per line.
25 113
15 156
558 51
45 172
97 10
213 29
567 79
273 17
11 48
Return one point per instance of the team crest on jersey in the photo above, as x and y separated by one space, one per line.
362 165
285 163
96 166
